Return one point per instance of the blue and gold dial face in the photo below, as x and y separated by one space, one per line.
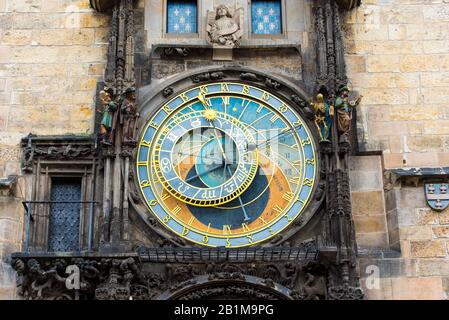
226 165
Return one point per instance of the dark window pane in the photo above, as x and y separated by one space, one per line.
64 220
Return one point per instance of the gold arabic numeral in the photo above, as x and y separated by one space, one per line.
305 142
185 231
266 96
245 90
166 219
184 97
283 108
286 216
228 243
225 101
224 87
145 143
167 109
270 230
308 182
295 180
144 183
227 229
288 196
277 209
152 203
250 238
274 118
245 227
205 239
176 210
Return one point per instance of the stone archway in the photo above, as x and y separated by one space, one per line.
227 286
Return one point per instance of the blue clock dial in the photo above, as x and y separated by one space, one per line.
226 164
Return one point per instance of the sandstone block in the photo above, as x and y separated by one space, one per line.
436 13
370 224
441 232
415 233
428 249
372 240
417 288
433 267
414 63
383 63
364 203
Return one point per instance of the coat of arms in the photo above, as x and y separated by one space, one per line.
437 195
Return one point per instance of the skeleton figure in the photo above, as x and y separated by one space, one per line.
223 28
323 116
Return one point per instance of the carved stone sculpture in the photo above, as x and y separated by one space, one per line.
129 112
344 112
109 107
224 26
323 116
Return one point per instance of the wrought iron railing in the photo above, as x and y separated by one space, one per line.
306 252
40 208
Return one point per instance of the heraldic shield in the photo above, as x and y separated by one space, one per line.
437 195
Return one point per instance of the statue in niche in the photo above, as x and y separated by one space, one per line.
344 112
323 116
107 120
129 116
224 26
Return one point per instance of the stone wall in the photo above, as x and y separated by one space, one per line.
52 53
398 58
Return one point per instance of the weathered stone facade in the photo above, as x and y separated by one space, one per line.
397 53
53 54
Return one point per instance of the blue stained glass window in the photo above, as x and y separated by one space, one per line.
266 16
181 16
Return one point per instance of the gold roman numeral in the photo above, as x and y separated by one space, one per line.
227 229
176 210
226 101
245 227
288 196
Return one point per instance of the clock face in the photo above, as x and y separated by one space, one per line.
226 164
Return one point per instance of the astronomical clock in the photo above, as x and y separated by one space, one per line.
202 179
226 164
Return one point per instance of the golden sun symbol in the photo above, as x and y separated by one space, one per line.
210 114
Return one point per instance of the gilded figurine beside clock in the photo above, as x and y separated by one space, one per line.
226 164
